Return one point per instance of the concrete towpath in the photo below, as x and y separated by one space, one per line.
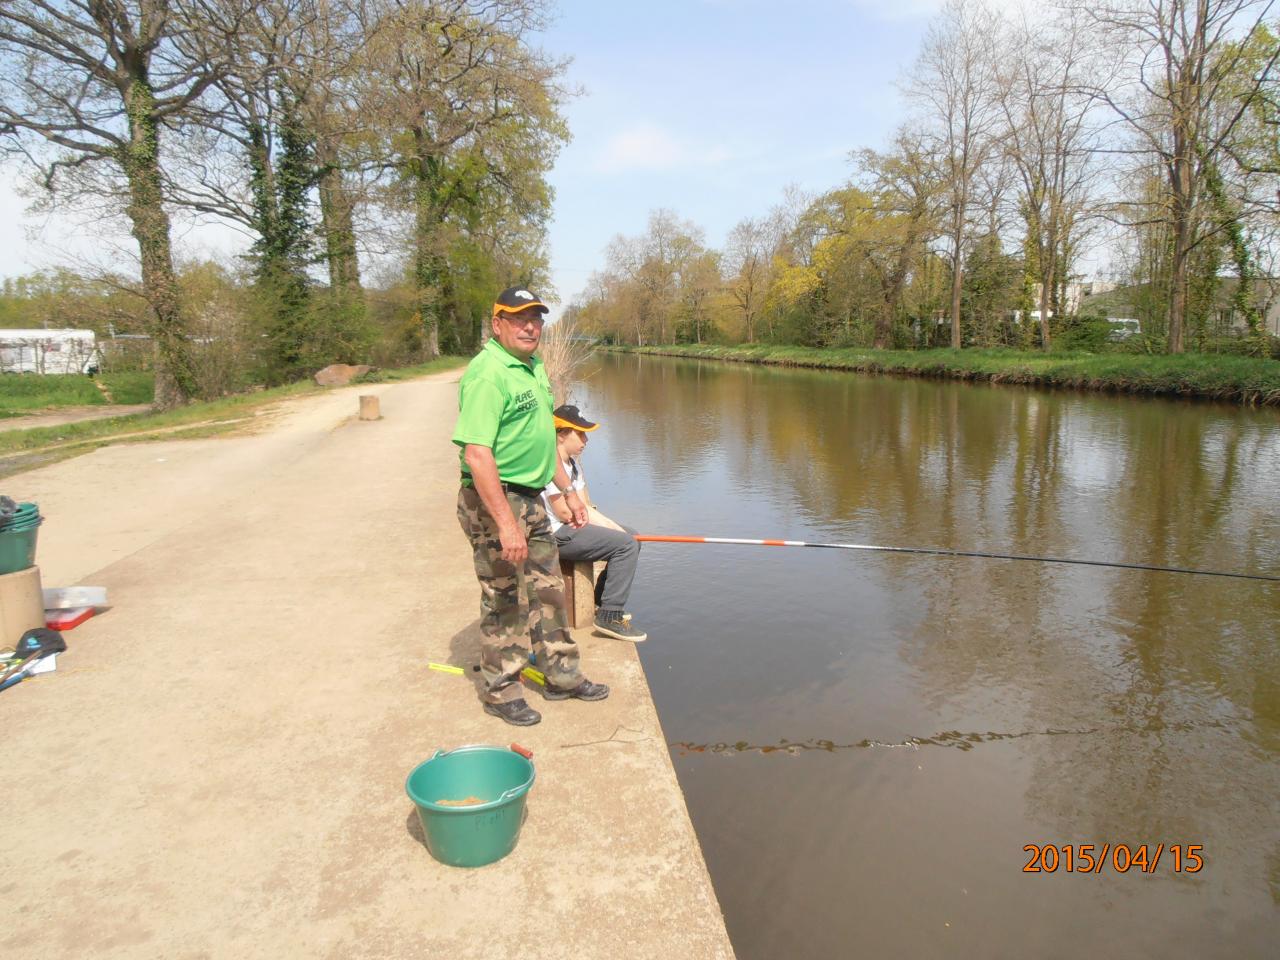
216 769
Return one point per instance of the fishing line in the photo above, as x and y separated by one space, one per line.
931 551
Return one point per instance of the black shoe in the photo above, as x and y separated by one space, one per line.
586 690
616 624
515 712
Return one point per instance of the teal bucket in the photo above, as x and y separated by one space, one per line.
477 833
25 512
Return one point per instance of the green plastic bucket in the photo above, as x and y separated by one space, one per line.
18 546
478 833
25 511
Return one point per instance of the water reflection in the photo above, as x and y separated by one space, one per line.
954 739
1138 707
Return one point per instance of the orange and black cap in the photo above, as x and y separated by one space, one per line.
516 300
568 417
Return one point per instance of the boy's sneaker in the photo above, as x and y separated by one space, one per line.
516 712
616 624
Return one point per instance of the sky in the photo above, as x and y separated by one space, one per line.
710 108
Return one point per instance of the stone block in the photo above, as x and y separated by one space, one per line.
340 374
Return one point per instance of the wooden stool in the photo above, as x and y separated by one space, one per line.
579 592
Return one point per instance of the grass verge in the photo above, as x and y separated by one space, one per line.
1247 380
130 387
21 393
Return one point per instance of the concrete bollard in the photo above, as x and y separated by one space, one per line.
21 605
369 408
579 592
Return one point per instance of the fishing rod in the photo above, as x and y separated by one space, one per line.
932 551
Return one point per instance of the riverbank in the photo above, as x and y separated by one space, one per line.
1244 380
217 766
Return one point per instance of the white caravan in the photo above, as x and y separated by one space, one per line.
49 351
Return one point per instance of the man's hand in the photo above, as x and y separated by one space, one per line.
515 549
577 508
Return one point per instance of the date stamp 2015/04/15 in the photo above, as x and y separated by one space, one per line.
1117 857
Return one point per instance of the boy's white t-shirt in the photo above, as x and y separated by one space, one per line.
576 482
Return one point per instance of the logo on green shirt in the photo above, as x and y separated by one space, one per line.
523 402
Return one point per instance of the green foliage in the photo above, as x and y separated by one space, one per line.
62 299
297 333
130 387
1074 332
992 282
1253 345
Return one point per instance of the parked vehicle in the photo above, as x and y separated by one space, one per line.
49 351
1122 328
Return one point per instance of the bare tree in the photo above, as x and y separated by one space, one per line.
564 349
623 287
955 85
699 281
670 246
1051 138
749 263
648 277
1179 60
88 86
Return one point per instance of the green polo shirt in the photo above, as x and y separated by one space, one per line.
505 404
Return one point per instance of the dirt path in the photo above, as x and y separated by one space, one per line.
216 768
57 416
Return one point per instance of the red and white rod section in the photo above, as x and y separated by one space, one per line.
650 538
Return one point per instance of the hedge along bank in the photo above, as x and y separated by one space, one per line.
1222 377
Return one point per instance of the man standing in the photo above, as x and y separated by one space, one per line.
508 456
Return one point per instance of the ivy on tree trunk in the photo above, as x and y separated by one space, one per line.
140 161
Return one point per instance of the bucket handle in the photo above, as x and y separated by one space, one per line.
513 792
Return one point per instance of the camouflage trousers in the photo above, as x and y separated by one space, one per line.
521 606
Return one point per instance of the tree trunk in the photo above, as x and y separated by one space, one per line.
427 262
336 211
1182 243
262 184
141 162
451 334
957 280
1178 295
1048 277
897 281
1188 110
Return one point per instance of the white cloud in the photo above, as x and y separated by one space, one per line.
646 146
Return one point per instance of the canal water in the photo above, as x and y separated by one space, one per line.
877 748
